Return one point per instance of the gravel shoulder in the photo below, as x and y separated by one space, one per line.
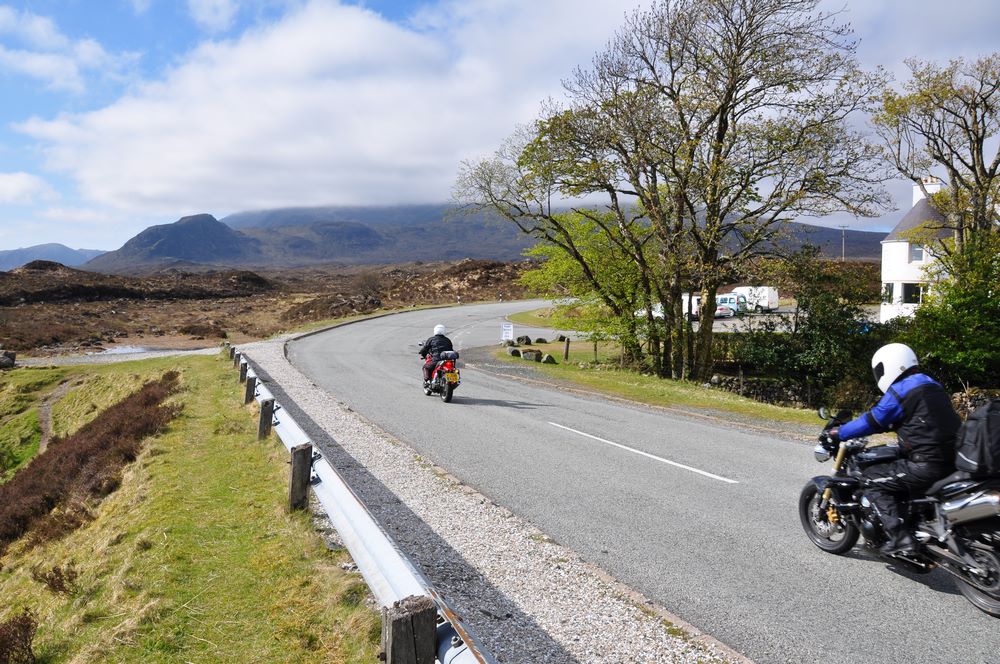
528 598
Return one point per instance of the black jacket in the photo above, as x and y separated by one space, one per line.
435 346
919 410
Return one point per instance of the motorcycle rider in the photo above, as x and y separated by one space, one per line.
432 348
919 410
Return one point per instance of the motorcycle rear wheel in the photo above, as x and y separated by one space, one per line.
835 538
987 601
446 393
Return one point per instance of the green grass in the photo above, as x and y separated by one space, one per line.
534 318
651 390
21 392
194 558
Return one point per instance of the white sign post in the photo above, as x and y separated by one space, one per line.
506 331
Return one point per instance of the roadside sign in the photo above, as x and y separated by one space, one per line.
506 331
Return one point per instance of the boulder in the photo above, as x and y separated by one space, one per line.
513 352
541 340
8 359
548 359
561 338
531 355
524 340
508 342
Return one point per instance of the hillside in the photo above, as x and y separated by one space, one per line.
197 239
58 253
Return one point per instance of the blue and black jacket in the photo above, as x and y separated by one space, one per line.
919 410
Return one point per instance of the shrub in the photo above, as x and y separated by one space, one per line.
16 635
85 464
57 579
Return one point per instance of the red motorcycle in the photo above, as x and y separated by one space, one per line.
445 376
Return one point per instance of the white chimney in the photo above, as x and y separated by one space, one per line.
931 184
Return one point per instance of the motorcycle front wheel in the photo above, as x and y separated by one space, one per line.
833 537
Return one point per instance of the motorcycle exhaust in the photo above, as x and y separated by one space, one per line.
972 508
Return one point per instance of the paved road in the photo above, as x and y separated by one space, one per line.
699 516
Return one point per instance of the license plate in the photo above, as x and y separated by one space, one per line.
451 377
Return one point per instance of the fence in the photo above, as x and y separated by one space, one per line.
418 626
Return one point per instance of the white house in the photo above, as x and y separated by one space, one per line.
903 262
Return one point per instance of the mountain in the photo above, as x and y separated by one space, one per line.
294 237
57 253
198 239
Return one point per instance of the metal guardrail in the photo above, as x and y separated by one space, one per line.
388 572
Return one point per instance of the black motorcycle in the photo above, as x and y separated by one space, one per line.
956 521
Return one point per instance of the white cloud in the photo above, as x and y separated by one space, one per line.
23 188
213 15
50 56
140 6
332 105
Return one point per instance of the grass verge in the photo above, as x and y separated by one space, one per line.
193 557
607 379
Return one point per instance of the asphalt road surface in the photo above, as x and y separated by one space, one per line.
699 516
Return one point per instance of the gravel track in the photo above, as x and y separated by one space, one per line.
529 599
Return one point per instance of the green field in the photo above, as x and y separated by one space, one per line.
194 557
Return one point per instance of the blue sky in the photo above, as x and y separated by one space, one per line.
120 114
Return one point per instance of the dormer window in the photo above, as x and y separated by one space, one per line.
916 253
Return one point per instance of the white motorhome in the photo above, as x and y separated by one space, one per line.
759 298
689 307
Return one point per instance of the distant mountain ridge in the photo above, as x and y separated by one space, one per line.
58 253
296 237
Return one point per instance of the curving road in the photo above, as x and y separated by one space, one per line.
699 516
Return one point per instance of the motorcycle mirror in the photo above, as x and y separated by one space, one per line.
823 413
844 415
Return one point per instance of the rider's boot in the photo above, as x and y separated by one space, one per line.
901 541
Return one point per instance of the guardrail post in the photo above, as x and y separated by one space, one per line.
409 631
251 390
243 371
266 416
236 359
232 352
566 351
298 485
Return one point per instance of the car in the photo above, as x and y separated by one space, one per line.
724 311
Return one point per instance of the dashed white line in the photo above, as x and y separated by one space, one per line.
646 454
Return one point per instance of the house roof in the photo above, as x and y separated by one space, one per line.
921 213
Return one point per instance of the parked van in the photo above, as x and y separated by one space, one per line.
759 298
737 302
689 307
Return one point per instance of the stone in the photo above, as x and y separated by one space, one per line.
548 359
715 380
513 352
541 340
525 340
531 355
561 338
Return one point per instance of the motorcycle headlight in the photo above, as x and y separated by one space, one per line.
821 453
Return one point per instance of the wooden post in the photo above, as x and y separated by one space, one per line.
266 415
236 360
232 352
243 371
298 485
409 631
566 351
251 389
595 351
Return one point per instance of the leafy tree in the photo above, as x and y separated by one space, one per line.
947 117
956 330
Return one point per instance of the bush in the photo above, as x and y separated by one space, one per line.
16 636
85 464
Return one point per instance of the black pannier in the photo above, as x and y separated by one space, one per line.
977 447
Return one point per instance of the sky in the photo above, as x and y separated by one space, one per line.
121 114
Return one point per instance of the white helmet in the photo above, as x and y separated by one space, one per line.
890 361
440 329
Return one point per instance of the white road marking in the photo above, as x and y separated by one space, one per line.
646 454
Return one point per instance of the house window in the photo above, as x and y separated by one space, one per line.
887 293
916 253
913 293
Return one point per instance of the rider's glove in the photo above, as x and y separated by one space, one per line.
830 438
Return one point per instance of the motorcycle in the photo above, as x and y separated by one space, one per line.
445 376
956 521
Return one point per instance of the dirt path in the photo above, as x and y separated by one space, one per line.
45 414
